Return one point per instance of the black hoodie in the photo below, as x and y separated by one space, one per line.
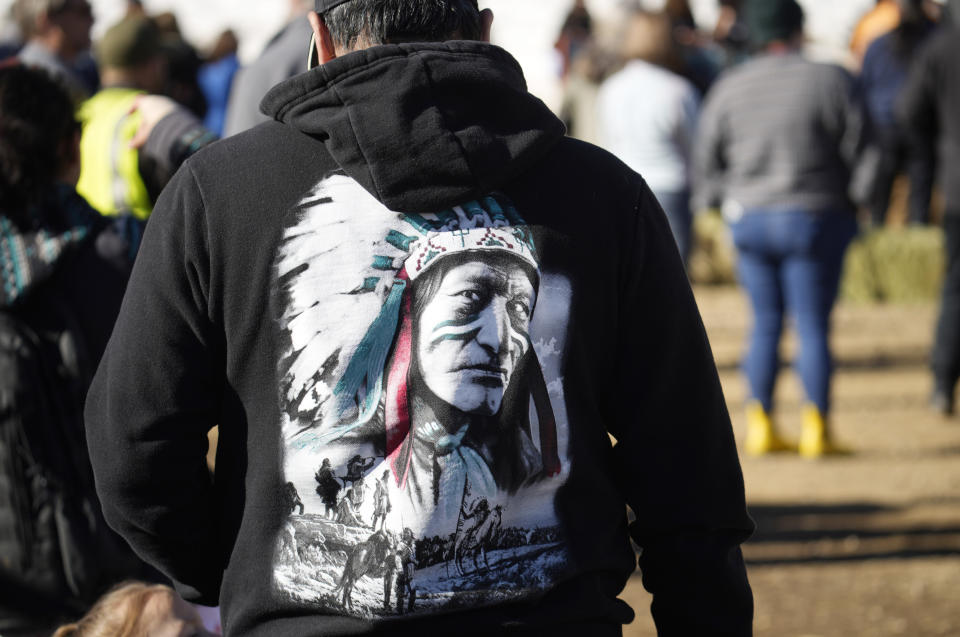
929 104
445 346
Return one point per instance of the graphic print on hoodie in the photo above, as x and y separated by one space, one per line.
424 425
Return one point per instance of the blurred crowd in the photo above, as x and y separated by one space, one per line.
599 60
798 156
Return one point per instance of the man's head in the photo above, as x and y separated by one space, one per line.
62 26
341 26
471 327
38 138
130 53
773 21
649 37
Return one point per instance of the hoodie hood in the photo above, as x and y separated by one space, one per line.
421 126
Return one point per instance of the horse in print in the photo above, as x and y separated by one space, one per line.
365 558
478 540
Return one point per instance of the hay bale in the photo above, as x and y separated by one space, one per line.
713 258
894 265
860 283
891 264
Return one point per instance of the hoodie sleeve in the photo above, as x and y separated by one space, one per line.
156 395
675 450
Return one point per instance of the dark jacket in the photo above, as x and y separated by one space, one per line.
929 105
64 269
882 77
484 344
72 256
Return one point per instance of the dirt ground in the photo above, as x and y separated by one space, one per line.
865 545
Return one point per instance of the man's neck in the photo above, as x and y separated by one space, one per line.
117 78
781 47
451 419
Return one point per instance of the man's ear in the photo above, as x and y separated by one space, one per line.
326 50
486 22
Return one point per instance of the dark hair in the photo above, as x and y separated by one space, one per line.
680 13
427 286
226 44
36 118
772 20
393 21
913 28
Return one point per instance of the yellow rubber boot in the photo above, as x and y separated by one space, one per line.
762 436
815 438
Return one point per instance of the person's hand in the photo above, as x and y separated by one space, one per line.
152 109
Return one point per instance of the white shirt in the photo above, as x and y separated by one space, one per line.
647 118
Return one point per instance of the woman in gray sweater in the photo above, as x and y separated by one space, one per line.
778 139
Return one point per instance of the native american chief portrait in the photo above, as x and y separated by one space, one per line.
411 333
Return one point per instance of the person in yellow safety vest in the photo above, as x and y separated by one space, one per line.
133 141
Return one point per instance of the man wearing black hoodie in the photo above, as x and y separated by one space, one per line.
412 263
929 107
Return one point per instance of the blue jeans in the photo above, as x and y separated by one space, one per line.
791 260
676 205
